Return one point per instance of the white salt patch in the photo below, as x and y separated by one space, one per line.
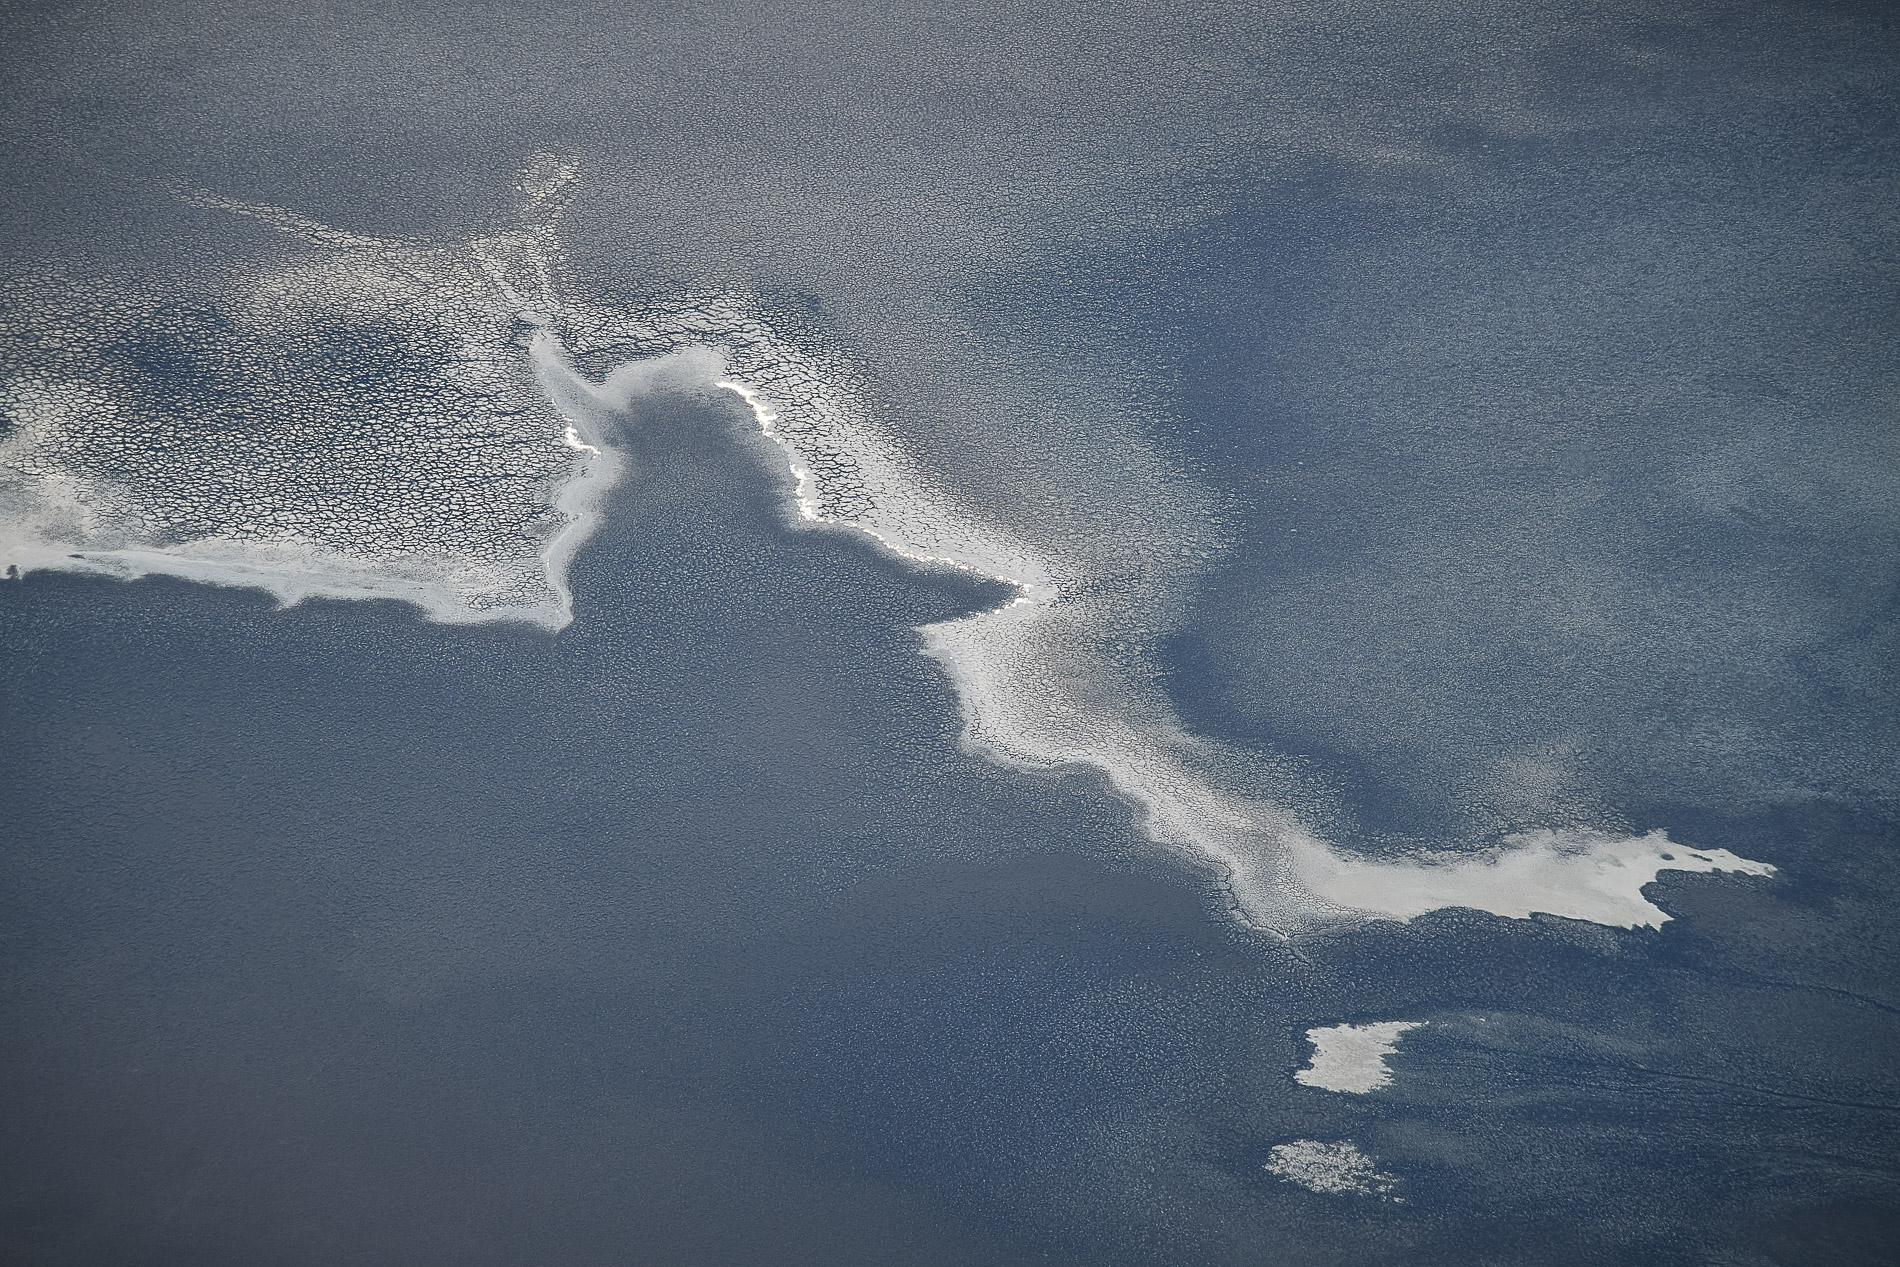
52 522
455 485
1336 1169
1579 875
1352 1057
466 486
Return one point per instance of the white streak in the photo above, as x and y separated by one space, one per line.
1579 875
1038 691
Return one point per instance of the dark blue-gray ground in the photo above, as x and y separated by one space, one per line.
1560 441
687 936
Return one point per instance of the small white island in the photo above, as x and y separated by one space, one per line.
1352 1057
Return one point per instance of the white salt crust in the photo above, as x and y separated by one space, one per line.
1351 1058
465 471
1338 1169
